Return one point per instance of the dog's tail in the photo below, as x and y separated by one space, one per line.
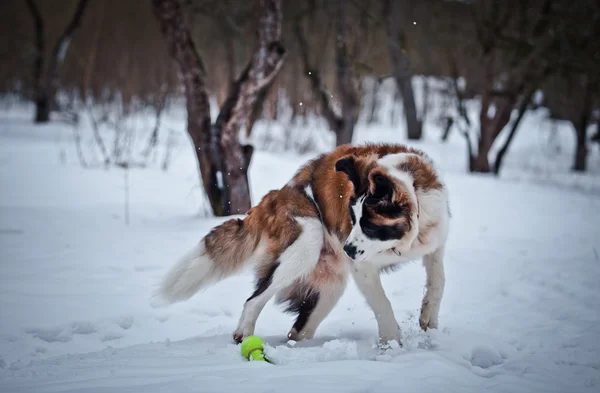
223 252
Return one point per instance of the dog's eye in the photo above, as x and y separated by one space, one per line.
371 201
368 231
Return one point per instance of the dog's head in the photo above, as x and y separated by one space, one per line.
385 213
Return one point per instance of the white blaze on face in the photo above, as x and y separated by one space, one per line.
359 246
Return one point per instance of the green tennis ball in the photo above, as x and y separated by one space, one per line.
252 348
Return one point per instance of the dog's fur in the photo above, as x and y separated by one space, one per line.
363 209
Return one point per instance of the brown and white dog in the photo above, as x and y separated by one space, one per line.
359 209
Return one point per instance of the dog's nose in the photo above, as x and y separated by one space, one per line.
350 250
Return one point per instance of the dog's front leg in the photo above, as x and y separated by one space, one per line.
368 281
434 267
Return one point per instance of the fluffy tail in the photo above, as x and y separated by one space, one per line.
220 254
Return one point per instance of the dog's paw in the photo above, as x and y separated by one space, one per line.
300 335
238 337
390 339
240 334
387 344
428 318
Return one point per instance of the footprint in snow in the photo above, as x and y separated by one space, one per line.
62 333
485 357
111 336
162 318
126 322
83 328
51 335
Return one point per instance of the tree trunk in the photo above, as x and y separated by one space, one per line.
401 66
596 136
490 128
489 131
580 164
193 74
345 79
247 93
48 86
42 109
480 162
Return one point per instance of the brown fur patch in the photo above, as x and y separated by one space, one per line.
271 221
274 216
230 244
422 172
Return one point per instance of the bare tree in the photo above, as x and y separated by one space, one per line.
581 125
574 97
345 78
343 124
46 84
191 68
393 14
515 47
223 161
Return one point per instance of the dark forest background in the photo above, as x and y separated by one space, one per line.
325 57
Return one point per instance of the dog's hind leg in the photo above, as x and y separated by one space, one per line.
313 308
434 267
255 303
294 263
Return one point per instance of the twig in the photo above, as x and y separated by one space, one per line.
126 178
77 137
97 137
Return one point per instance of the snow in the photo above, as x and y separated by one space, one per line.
521 310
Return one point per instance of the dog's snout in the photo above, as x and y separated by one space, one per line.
350 250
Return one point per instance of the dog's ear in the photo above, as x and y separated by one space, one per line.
381 189
348 166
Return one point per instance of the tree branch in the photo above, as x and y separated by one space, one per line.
62 46
315 80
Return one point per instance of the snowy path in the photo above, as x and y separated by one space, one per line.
521 311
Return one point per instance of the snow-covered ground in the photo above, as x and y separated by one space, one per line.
521 312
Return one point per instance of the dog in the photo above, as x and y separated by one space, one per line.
356 211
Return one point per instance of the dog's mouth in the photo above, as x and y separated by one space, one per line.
394 250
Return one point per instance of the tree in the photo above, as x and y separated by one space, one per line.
46 84
574 97
393 14
343 124
573 92
222 160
